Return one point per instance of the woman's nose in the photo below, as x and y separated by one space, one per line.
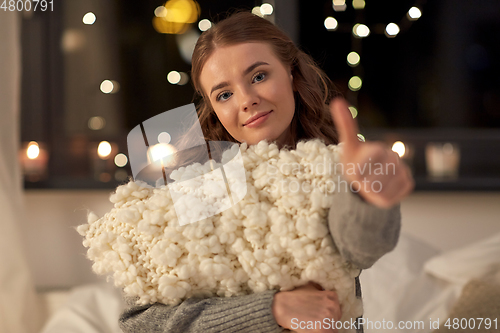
249 99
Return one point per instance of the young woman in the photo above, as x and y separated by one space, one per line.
255 84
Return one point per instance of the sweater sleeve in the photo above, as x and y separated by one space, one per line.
249 313
363 232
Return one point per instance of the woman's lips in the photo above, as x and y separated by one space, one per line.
259 120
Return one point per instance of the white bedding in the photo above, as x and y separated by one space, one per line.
397 288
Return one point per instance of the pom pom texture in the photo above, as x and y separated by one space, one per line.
276 237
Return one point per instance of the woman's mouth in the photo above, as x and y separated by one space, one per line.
258 121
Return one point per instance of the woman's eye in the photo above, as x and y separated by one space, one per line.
259 77
223 96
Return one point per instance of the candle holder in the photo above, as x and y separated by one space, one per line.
442 161
34 158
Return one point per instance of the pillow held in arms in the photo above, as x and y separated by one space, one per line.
276 237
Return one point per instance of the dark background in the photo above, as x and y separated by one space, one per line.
438 80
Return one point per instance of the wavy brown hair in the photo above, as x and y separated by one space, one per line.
313 88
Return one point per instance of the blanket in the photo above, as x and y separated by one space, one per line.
275 237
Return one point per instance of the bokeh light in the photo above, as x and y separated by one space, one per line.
353 59
176 16
355 83
104 149
266 9
358 4
121 160
96 123
33 150
339 5
89 18
164 137
164 152
360 30
331 23
391 30
414 14
399 148
204 25
256 11
161 11
174 77
354 111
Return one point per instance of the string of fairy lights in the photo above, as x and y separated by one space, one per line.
360 31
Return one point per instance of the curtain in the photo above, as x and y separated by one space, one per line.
20 310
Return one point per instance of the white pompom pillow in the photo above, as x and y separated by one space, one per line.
276 237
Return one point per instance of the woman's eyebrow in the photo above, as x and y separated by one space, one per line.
252 67
245 72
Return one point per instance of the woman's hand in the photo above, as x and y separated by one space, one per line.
382 185
306 303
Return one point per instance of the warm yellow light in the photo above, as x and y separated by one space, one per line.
353 59
174 77
358 4
414 14
89 18
354 111
163 151
204 25
331 23
165 27
360 30
355 83
399 148
391 30
33 150
104 149
121 160
182 11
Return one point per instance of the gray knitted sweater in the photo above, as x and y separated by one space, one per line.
362 233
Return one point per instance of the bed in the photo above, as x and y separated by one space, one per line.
414 286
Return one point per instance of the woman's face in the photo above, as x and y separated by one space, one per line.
251 92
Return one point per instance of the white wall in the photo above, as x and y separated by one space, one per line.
57 257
